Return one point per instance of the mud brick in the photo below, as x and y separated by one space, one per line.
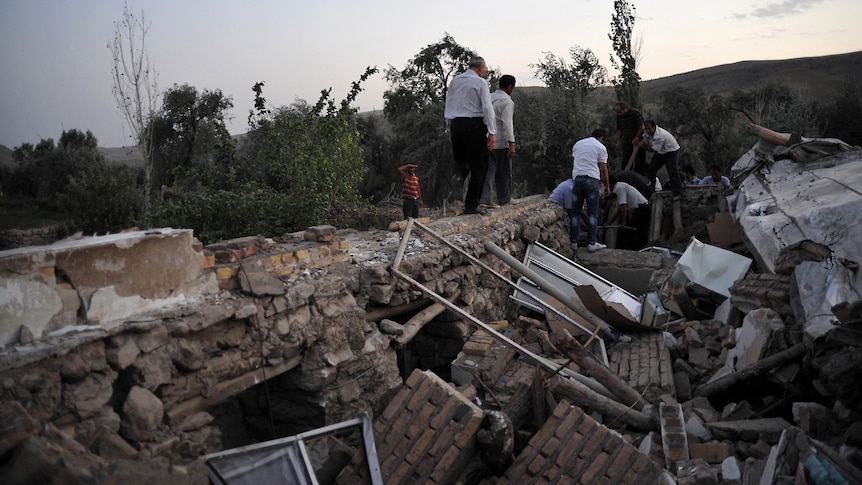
469 431
477 348
445 438
444 414
445 464
596 469
595 443
568 423
415 428
421 394
537 464
424 467
440 395
711 452
419 445
552 474
626 456
550 446
398 474
396 405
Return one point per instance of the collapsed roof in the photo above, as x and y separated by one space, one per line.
797 206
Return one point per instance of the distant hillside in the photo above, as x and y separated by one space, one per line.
818 76
822 76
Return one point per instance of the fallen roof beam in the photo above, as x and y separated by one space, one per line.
550 365
752 370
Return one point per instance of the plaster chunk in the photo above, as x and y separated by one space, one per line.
26 301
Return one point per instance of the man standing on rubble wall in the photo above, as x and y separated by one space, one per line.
472 126
666 148
590 164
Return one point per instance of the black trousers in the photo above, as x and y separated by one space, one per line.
410 208
470 151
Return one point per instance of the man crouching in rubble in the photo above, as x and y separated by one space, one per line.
633 212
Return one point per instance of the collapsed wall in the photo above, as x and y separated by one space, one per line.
147 331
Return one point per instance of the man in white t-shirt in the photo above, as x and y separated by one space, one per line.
590 166
633 211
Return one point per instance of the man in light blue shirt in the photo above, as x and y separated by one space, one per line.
715 177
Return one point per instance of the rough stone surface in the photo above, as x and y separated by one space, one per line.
142 414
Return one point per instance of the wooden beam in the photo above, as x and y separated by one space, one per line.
229 388
415 324
567 344
585 397
752 370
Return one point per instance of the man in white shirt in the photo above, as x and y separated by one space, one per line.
499 177
472 127
590 164
633 211
666 148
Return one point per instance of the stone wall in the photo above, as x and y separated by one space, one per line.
291 311
36 236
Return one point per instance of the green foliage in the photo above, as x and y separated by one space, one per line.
44 171
219 214
547 125
774 105
842 113
310 155
627 83
103 201
190 140
414 109
708 130
582 76
425 79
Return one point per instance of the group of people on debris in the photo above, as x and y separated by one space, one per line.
632 189
480 128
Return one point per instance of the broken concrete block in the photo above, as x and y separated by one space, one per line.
673 436
712 452
815 420
754 339
694 427
730 471
767 429
737 411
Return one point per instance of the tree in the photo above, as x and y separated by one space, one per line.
627 83
134 84
775 105
414 106
708 130
582 76
425 79
190 139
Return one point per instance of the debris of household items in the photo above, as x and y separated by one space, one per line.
699 286
307 458
709 399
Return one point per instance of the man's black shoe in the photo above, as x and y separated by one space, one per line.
476 210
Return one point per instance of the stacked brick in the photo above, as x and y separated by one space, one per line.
572 448
427 434
762 290
317 247
644 363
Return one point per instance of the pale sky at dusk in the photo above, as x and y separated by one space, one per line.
55 64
